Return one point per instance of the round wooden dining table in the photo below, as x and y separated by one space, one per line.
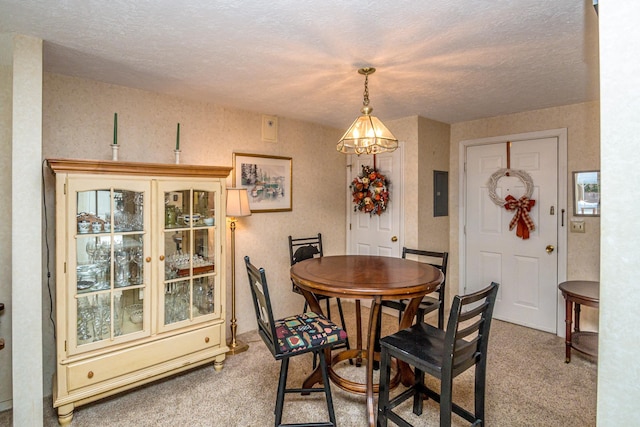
359 277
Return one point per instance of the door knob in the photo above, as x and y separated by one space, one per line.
550 248
394 239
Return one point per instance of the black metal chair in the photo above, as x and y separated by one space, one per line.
429 303
292 336
303 248
444 355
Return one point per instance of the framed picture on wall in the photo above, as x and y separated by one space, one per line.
267 180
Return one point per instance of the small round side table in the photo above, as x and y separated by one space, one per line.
577 293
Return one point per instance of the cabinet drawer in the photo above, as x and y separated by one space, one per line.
122 362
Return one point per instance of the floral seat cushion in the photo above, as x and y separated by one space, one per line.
306 331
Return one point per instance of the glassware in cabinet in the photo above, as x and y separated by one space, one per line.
190 256
109 246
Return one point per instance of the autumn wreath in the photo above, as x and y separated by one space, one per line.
370 192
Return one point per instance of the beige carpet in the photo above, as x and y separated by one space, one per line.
528 384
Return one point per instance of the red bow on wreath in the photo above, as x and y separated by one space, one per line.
521 217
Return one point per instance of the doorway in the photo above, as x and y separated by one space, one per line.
528 270
377 234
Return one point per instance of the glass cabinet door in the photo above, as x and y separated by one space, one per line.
189 248
109 243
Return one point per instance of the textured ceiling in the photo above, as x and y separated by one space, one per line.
448 60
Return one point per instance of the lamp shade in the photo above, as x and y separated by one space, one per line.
237 202
367 135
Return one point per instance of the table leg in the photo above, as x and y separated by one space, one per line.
576 327
373 327
358 332
568 320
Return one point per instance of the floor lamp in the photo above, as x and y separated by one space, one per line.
237 206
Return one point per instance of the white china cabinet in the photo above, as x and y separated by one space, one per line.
140 274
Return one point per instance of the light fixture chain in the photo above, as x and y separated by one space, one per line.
365 101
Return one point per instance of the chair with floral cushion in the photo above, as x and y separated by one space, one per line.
292 336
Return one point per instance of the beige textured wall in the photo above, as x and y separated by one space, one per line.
433 155
5 233
78 123
583 153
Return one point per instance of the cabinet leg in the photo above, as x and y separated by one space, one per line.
218 364
65 414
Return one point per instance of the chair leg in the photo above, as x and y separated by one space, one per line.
419 316
418 398
282 385
327 386
446 405
441 316
344 327
344 324
480 387
383 396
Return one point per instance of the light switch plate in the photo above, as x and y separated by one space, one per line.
577 226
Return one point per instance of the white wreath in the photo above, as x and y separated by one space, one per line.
493 183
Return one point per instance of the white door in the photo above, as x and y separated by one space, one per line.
526 271
376 234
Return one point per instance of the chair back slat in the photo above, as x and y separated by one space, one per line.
302 248
262 305
468 330
438 260
464 322
472 312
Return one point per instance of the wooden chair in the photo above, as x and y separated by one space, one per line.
429 303
303 248
292 336
444 355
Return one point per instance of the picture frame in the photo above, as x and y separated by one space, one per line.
268 180
586 193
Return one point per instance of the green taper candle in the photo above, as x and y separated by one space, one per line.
178 138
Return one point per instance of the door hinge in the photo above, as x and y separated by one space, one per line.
65 267
349 226
65 345
65 188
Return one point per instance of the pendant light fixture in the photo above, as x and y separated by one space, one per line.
367 134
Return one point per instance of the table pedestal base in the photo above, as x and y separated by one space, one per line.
352 386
